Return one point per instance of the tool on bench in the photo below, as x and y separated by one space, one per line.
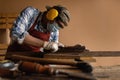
32 67
82 65
6 64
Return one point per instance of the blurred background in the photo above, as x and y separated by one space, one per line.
94 23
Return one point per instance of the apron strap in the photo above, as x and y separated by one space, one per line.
32 27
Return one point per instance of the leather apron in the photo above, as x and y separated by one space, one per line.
33 32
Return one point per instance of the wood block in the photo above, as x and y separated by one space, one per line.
3 26
7 19
10 20
88 59
3 51
2 21
68 56
2 58
3 46
9 26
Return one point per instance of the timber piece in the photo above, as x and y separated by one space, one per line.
76 48
70 54
79 75
51 55
2 52
50 77
87 54
82 65
31 67
101 54
3 46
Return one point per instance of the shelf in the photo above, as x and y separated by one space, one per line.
6 22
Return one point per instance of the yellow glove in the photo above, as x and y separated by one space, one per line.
52 46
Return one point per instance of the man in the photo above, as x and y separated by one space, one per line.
35 31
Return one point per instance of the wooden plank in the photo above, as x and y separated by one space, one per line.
3 26
2 58
52 56
88 54
7 19
14 15
9 26
3 51
101 54
3 46
88 59
2 21
70 55
10 20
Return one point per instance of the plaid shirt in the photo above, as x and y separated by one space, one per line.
24 22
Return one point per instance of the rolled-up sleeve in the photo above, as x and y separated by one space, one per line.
22 24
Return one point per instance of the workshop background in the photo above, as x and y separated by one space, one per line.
94 23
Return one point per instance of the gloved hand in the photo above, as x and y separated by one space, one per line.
61 45
51 46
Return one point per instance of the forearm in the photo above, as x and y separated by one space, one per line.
30 40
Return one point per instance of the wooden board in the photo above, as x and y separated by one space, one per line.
7 19
3 46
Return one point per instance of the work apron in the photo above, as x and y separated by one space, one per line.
24 47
